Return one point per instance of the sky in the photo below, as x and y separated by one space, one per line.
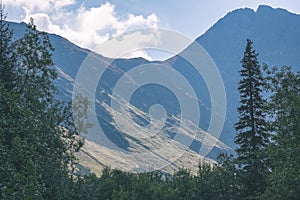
91 22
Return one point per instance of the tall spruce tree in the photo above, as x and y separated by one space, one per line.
251 136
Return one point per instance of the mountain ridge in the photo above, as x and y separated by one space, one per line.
275 34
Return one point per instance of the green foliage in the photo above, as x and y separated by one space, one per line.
284 110
7 54
229 178
252 136
37 135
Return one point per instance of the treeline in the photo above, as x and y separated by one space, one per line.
38 137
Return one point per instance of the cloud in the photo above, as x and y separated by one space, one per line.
86 27
38 5
130 44
138 54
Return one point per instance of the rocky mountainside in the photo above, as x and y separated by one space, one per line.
275 34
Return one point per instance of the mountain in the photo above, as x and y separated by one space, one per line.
275 34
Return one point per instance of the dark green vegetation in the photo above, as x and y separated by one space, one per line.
252 135
36 151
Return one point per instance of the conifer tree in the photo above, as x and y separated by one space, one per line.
7 54
49 121
284 111
251 136
37 132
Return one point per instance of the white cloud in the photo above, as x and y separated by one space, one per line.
86 27
43 22
39 5
138 54
130 44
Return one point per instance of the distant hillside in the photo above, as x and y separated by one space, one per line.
275 33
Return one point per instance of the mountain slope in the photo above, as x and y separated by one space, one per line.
275 33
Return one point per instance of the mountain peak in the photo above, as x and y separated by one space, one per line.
269 9
264 8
